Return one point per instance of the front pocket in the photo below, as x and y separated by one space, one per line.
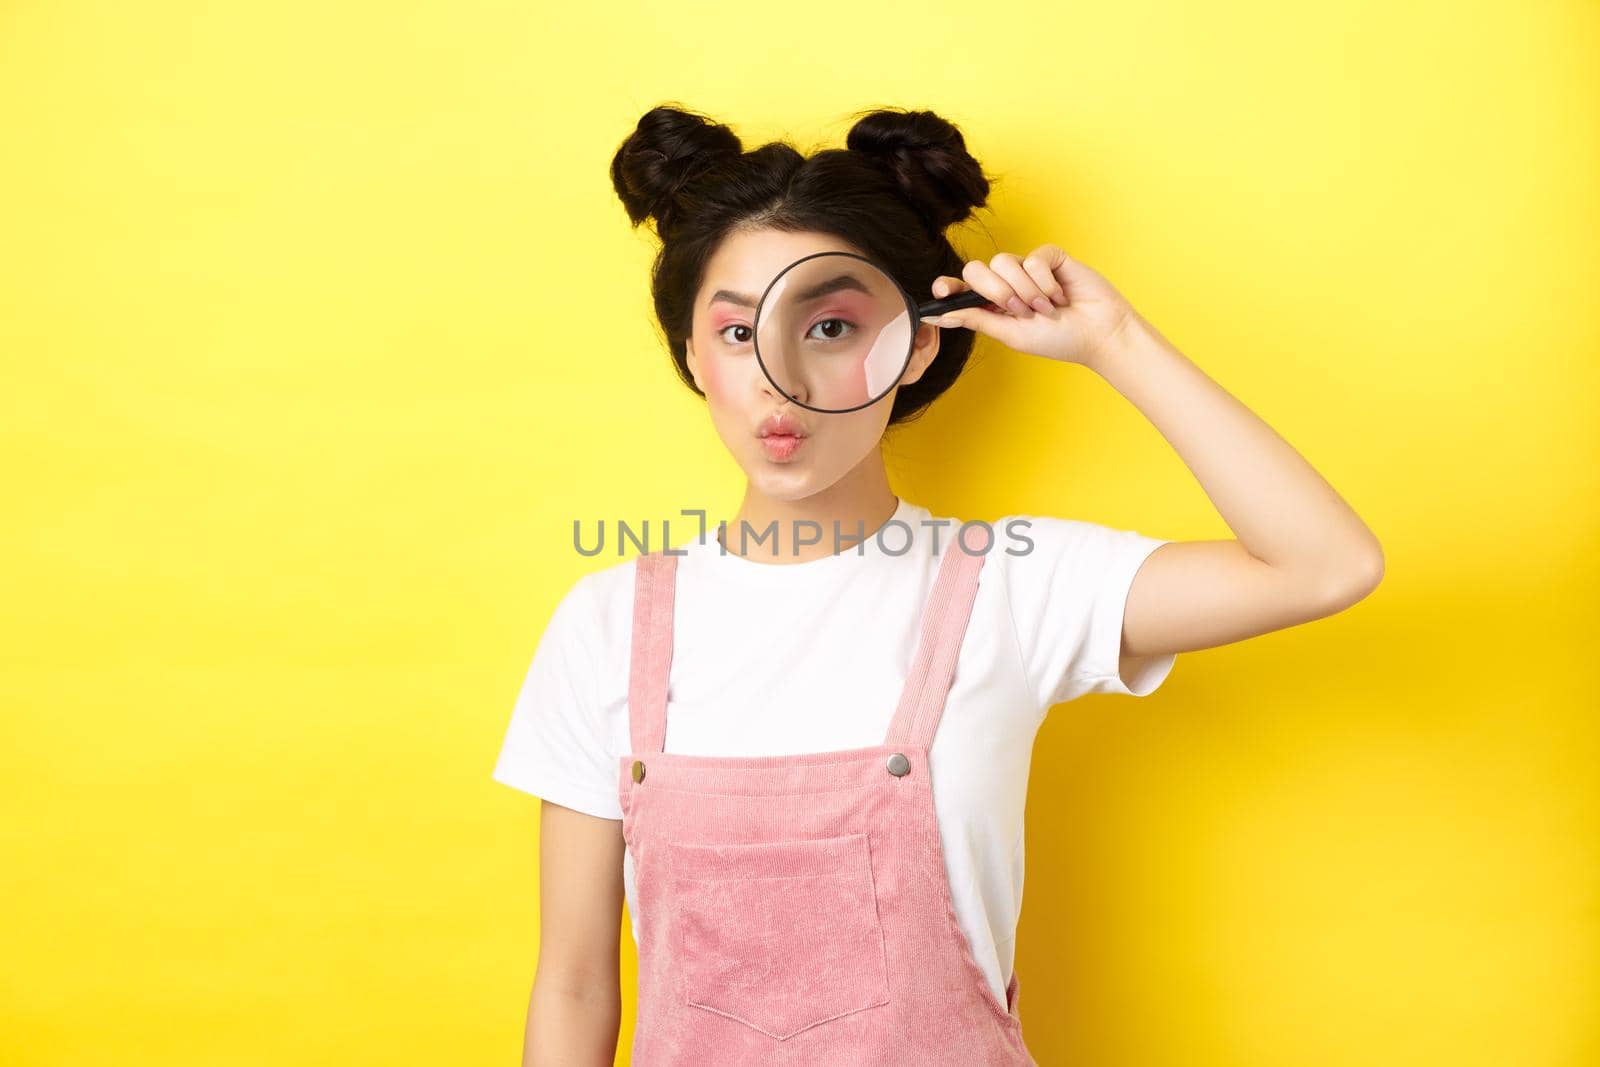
779 935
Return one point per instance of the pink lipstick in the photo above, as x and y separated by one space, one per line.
781 435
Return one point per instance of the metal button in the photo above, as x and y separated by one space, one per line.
638 770
899 766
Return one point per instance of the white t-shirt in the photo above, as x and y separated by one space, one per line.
1046 627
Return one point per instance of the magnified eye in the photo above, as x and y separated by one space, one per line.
838 330
744 340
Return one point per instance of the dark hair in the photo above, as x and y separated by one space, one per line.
902 179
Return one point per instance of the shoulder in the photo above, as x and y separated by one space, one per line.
607 585
1065 569
1067 582
1029 541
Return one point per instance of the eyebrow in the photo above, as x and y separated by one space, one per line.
731 297
834 284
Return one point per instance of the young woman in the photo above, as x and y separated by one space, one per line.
803 759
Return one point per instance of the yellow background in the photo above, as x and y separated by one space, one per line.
321 323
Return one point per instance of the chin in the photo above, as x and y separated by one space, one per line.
784 481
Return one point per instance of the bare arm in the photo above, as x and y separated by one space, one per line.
1302 553
576 1005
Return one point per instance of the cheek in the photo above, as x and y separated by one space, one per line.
724 375
711 375
708 363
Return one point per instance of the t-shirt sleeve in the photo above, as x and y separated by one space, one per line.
1067 582
555 746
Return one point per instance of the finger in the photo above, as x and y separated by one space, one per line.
1040 265
998 291
1007 329
1075 277
944 286
1028 292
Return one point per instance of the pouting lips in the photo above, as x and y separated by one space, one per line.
781 424
781 446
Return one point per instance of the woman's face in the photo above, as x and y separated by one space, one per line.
722 361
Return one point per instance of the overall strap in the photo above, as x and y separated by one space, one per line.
650 659
944 624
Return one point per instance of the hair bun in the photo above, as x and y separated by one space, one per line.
668 147
928 158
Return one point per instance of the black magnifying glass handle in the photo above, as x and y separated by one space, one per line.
967 298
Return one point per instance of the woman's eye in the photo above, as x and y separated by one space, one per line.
838 328
744 340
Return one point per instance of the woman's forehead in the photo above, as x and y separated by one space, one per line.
755 250
747 260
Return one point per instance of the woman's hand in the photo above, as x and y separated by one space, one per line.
1055 306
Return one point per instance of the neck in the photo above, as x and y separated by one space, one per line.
860 503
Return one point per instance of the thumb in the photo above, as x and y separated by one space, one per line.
1000 326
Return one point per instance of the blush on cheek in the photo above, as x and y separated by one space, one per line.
710 376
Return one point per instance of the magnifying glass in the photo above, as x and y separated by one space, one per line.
834 331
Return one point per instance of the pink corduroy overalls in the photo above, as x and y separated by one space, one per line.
796 909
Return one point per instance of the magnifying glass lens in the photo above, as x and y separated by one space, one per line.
834 333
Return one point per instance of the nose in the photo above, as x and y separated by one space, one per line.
798 391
